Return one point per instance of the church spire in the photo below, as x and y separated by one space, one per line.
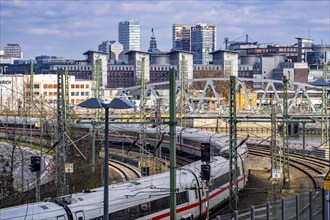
153 43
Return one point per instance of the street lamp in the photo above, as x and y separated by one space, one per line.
322 83
116 103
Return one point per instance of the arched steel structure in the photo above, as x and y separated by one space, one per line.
303 98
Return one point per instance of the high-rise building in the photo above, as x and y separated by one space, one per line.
129 35
203 42
13 51
181 36
304 46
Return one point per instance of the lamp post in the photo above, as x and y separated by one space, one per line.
116 103
326 185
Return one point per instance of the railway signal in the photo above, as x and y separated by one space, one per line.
206 172
205 152
35 164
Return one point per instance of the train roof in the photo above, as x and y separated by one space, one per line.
139 190
28 211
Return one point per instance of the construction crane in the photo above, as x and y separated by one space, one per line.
248 41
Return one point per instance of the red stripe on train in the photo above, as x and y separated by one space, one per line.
185 208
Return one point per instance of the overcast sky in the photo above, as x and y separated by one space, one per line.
71 27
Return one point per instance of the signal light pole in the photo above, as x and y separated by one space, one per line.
35 167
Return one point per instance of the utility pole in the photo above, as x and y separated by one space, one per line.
184 88
97 84
61 148
143 118
158 138
286 161
31 97
233 181
274 148
66 94
172 124
324 121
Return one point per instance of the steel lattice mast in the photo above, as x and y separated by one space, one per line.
274 130
66 94
97 92
61 148
286 161
143 118
184 89
324 121
31 107
158 138
233 189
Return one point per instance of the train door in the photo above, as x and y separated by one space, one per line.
80 215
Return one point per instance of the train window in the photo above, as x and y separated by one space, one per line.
182 197
121 214
145 208
80 215
190 142
220 181
160 204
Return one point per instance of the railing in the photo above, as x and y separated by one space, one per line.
308 205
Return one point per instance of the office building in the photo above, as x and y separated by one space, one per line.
129 35
181 36
13 51
203 42
304 46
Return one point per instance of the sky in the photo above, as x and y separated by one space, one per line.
71 27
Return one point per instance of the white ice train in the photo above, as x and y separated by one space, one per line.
148 197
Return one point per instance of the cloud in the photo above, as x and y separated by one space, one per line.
44 31
79 25
323 21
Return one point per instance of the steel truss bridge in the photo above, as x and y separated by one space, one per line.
303 99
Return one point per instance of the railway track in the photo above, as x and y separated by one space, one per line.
310 167
126 172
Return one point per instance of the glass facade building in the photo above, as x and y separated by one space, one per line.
129 35
203 42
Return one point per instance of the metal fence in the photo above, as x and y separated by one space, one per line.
308 205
